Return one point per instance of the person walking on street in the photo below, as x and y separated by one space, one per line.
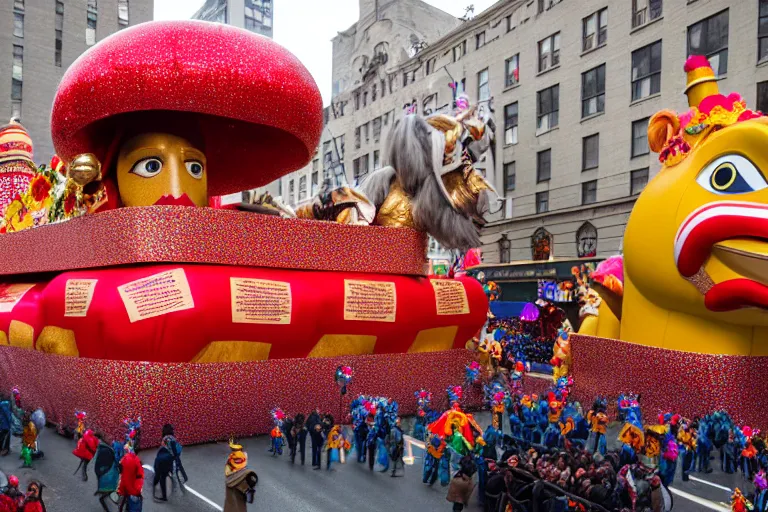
461 486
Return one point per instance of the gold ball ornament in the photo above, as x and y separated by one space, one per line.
84 168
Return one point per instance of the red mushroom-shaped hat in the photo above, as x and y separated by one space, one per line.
255 107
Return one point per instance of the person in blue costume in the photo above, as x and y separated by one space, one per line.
6 422
371 441
436 451
361 434
481 465
492 438
668 462
107 471
729 454
512 405
760 499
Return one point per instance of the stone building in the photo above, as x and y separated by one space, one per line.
39 39
571 86
253 15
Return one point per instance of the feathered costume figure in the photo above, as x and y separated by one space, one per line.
107 473
276 447
436 461
704 443
360 408
760 498
598 421
133 433
512 405
553 434
430 183
240 480
424 414
33 500
472 373
496 395
686 438
631 434
33 424
85 451
80 416
739 503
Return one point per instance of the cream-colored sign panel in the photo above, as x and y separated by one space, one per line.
78 295
372 301
157 295
259 301
450 297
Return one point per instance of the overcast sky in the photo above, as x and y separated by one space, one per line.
306 27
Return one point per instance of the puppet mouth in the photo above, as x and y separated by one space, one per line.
168 200
733 235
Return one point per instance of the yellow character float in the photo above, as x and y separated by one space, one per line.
695 294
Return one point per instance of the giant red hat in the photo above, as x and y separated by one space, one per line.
256 107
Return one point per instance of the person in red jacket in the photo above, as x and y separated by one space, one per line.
85 450
131 483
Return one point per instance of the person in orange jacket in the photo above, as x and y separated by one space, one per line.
85 451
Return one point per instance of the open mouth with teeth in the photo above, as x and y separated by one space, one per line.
732 234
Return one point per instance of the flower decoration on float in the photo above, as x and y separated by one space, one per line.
343 377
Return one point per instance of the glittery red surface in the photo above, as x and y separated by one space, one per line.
260 109
228 398
667 380
154 234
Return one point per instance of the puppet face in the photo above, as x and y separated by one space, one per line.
162 169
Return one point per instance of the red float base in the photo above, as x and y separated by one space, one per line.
212 401
671 381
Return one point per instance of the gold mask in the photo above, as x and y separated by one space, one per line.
162 169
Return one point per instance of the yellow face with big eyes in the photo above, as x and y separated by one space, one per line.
697 238
161 169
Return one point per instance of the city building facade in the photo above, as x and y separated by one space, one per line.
39 39
570 86
253 15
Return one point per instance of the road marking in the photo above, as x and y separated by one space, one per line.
410 442
701 501
728 489
191 490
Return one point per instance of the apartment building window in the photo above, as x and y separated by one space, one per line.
543 165
315 184
373 93
509 176
302 188
280 187
122 13
545 5
17 75
547 109
510 123
58 33
512 71
376 161
383 88
366 133
542 202
18 5
431 65
762 32
91 17
511 23
385 118
646 71
762 96
357 100
593 91
480 40
644 11
505 246
589 192
340 146
483 89
257 14
594 30
640 137
459 50
709 37
18 21
365 98
291 191
590 152
376 129
637 181
357 138
360 169
549 52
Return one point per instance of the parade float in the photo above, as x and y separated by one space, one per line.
139 300
686 315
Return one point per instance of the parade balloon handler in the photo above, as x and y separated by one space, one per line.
167 463
240 480
300 429
131 483
85 451
290 437
315 428
396 443
107 472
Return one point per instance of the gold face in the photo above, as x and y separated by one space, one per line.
161 169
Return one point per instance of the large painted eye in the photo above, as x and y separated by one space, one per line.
195 169
148 167
731 174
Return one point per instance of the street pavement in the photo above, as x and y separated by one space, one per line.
283 486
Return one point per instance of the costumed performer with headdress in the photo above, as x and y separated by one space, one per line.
598 421
396 441
276 435
240 480
33 500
